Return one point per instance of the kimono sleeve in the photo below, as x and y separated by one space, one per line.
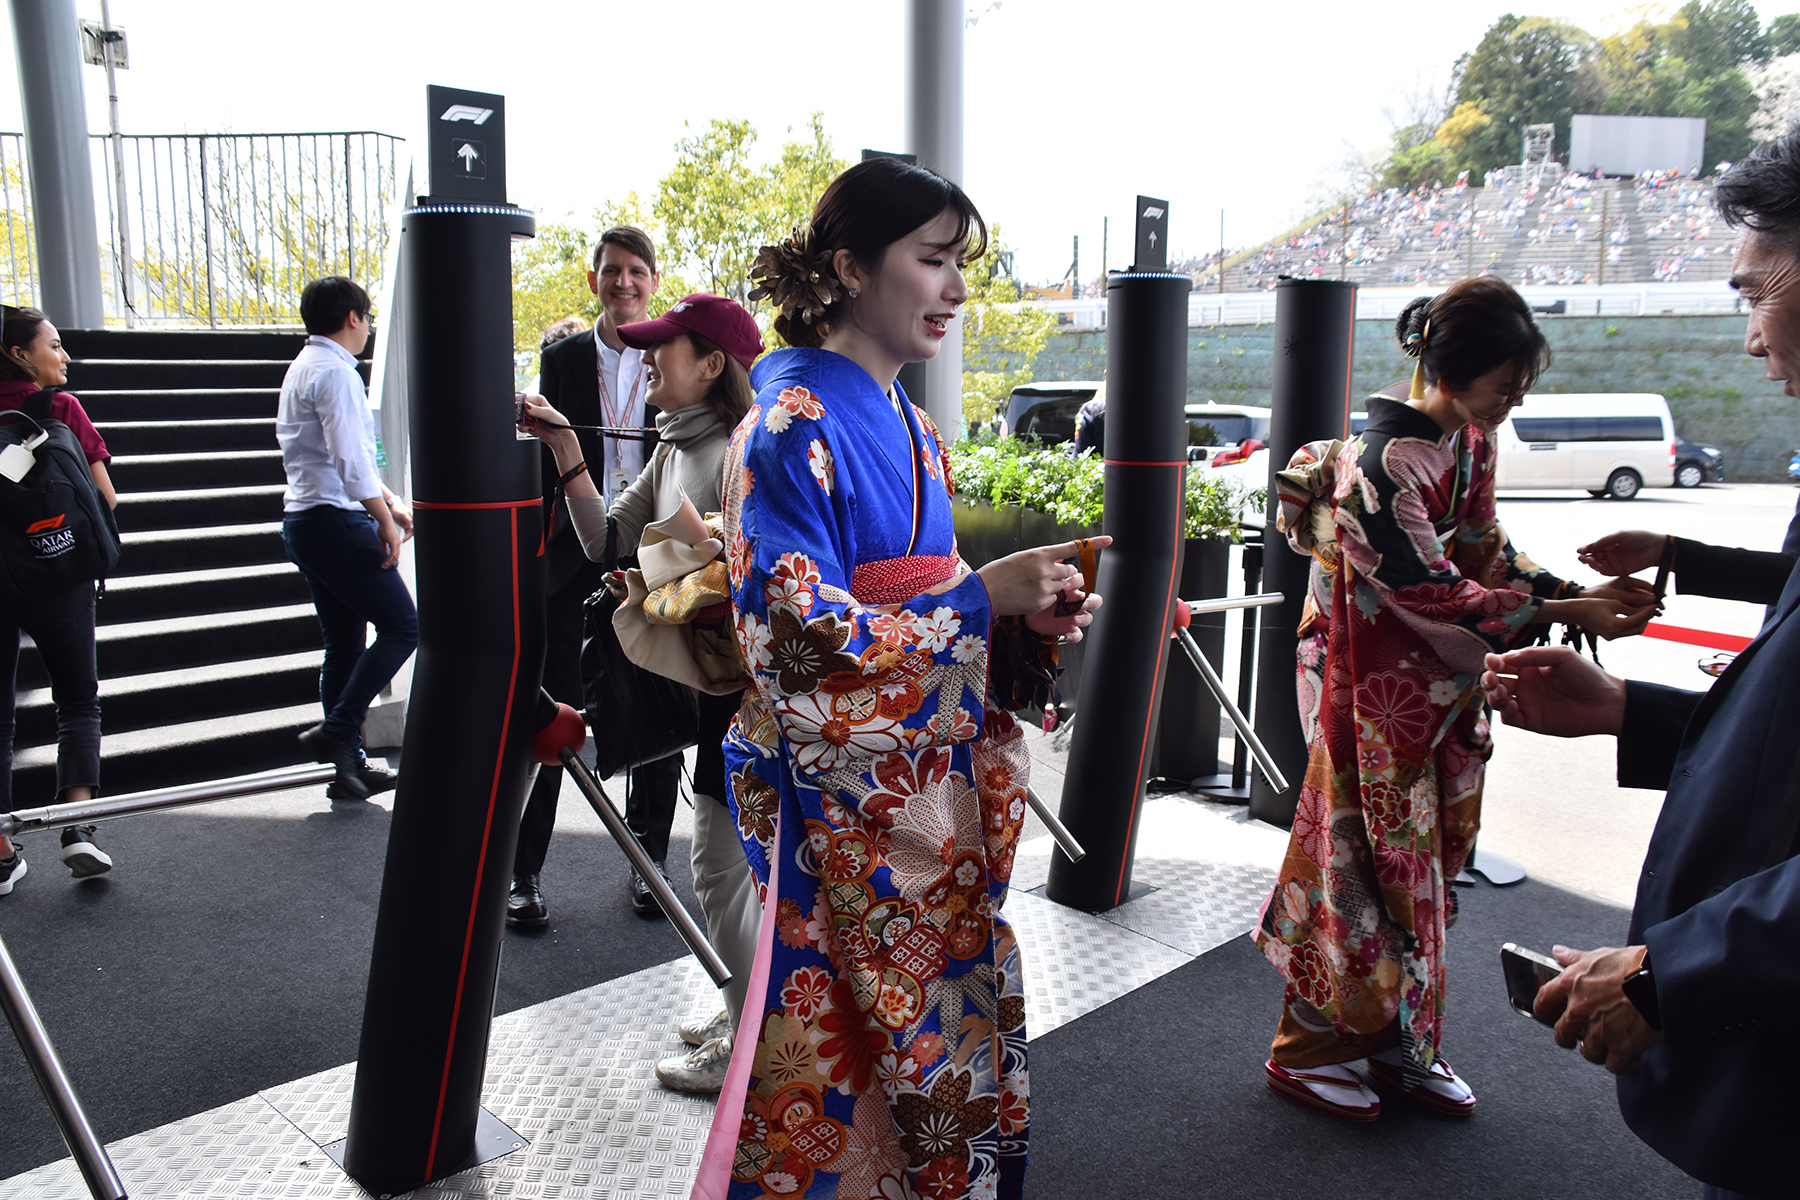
1387 534
846 683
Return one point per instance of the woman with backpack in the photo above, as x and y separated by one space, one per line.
60 622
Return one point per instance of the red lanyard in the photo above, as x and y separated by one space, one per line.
617 418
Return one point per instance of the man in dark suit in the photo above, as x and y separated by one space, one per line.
1689 1015
593 378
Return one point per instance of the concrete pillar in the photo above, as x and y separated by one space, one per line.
46 38
934 132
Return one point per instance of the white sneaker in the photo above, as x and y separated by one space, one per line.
700 1028
701 1070
79 852
11 875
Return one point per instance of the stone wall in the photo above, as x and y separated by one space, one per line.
1719 395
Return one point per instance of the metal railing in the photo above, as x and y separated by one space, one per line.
1385 303
226 229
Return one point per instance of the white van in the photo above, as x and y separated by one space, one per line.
1611 445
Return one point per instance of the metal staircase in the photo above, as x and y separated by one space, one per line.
208 646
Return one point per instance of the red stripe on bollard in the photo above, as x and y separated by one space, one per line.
1696 637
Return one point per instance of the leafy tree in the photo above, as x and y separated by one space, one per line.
1784 35
550 282
716 208
1002 337
1525 71
1714 37
1777 88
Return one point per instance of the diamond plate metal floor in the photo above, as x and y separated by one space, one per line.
575 1076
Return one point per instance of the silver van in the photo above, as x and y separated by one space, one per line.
1608 444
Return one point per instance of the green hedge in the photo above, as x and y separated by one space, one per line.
1073 490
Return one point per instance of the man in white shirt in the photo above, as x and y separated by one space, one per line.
593 378
343 528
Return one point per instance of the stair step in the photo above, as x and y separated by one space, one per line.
199 508
184 343
159 551
138 647
179 404
187 593
167 472
168 755
131 702
188 437
177 373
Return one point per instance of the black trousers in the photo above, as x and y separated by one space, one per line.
655 787
62 626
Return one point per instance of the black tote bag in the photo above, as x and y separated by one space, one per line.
637 716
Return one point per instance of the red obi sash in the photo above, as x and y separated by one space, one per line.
897 580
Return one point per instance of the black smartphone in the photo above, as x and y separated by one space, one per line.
518 408
1526 971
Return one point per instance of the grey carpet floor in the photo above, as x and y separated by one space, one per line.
228 952
1161 1093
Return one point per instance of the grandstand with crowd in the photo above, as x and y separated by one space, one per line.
1562 228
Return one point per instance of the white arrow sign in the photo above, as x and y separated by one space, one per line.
1153 239
468 154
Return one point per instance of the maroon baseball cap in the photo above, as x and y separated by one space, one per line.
723 322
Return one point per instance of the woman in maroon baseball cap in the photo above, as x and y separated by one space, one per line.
698 357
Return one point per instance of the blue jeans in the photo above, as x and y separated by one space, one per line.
62 626
340 555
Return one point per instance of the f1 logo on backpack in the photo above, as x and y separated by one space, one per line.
48 538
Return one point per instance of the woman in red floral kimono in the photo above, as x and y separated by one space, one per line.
878 791
1413 583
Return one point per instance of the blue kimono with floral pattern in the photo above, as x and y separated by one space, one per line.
880 799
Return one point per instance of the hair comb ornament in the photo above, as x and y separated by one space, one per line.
801 284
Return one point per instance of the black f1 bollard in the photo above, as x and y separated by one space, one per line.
416 1111
1315 325
1121 686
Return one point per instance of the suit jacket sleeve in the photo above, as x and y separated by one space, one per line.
1655 718
1730 572
1724 967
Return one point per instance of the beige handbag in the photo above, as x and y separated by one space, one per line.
680 572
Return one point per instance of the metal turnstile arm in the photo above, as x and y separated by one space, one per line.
1054 824
97 1170
684 923
1263 760
86 812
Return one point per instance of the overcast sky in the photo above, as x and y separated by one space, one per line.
1072 106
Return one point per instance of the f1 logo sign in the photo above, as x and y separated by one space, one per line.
467 144
1152 235
467 112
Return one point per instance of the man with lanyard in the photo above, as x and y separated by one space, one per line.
593 378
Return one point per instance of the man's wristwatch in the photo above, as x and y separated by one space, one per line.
1640 989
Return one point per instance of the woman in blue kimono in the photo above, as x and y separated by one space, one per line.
879 792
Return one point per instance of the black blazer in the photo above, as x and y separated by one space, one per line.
568 381
1718 905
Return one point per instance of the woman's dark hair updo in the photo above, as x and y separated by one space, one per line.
1471 328
865 210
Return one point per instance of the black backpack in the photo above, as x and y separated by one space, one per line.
55 528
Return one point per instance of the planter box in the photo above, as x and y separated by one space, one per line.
984 533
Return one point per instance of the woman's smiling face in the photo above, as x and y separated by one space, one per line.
907 302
